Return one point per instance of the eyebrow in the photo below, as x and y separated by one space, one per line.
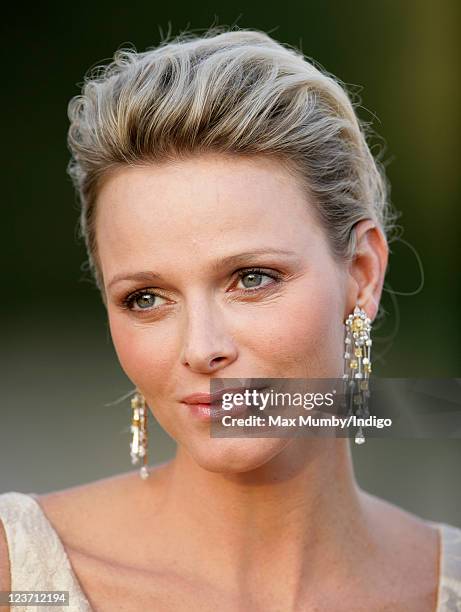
229 260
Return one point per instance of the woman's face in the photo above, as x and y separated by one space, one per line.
178 245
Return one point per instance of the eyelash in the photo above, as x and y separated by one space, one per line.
127 302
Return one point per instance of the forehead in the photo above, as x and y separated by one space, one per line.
201 205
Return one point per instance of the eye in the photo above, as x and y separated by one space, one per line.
145 299
254 278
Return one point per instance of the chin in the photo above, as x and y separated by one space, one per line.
236 455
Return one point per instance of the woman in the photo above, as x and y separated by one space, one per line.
234 218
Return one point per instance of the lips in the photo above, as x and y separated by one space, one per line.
206 406
213 398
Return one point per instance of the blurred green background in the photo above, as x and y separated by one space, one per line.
59 424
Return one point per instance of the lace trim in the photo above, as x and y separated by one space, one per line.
38 559
449 599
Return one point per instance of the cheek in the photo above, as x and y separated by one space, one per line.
302 337
144 352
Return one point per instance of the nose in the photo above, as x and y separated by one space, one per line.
207 344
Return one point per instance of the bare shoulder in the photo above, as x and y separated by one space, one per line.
101 526
399 523
86 516
412 549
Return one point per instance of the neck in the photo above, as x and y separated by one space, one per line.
298 514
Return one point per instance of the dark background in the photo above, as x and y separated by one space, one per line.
59 426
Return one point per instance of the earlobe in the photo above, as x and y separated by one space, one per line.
368 267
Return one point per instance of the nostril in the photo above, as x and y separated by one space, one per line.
216 360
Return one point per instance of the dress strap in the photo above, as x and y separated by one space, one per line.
38 560
450 569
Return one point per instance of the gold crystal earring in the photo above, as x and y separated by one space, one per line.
357 365
138 445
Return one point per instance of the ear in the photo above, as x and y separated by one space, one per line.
368 268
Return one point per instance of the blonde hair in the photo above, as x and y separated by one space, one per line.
235 92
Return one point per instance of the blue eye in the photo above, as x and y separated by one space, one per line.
144 300
252 279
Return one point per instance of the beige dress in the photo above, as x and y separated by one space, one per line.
39 562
